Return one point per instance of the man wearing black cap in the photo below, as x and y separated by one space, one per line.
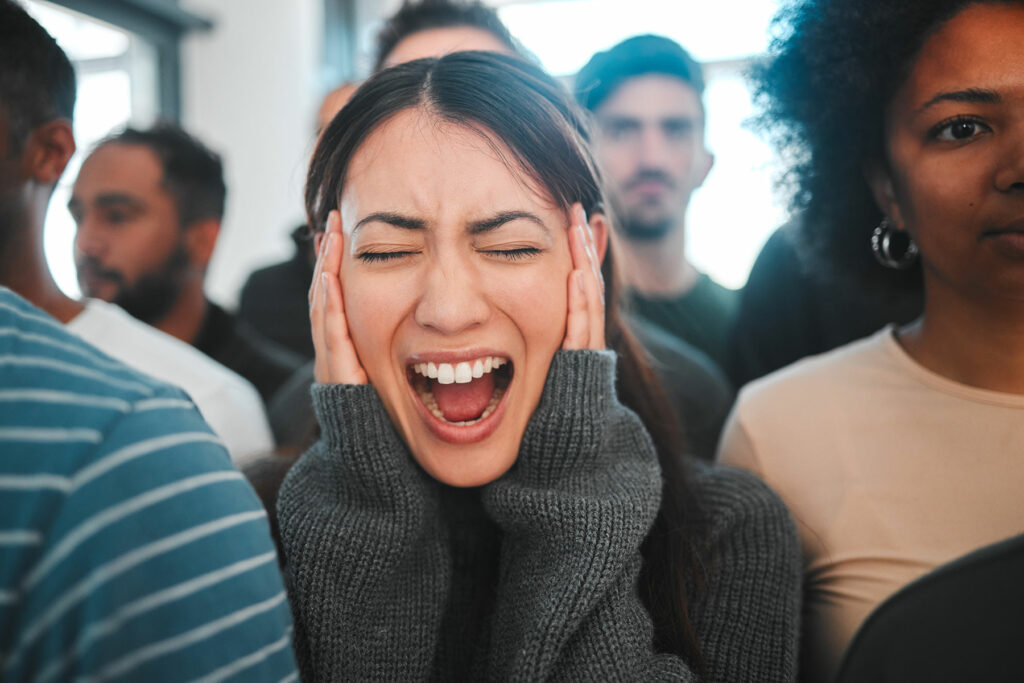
645 94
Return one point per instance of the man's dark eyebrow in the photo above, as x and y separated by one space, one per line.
395 219
971 95
109 200
618 120
488 224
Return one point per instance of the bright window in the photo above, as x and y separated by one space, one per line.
732 215
116 74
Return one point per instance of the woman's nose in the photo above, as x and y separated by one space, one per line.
1010 173
453 299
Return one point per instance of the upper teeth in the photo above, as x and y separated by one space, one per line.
459 373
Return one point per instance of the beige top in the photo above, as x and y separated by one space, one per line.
889 469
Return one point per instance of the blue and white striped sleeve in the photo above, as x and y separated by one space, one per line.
154 563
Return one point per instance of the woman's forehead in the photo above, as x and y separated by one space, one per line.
419 157
978 48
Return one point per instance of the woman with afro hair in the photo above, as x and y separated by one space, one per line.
903 126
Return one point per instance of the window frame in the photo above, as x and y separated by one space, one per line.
161 23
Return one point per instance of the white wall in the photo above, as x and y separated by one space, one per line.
250 92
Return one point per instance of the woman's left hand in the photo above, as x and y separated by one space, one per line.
584 326
336 359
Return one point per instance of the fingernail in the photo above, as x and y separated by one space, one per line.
579 281
323 283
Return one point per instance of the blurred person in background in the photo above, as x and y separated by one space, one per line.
37 93
902 451
148 206
645 95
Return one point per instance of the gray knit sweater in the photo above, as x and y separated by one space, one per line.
395 577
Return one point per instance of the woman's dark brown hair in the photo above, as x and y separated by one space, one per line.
506 99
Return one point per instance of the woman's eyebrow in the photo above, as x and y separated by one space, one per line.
395 219
500 219
972 95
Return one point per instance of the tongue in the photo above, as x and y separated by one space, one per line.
459 402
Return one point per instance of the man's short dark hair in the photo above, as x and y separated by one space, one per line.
37 82
415 16
192 173
637 56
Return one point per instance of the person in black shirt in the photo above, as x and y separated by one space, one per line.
148 206
645 95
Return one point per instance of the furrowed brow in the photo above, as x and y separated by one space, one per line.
498 220
395 219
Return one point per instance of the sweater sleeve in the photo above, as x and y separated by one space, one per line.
360 524
746 615
575 508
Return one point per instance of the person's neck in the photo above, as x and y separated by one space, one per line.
23 267
185 318
975 341
657 267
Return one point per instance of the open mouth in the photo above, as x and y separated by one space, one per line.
462 394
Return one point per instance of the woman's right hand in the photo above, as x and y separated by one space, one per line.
336 358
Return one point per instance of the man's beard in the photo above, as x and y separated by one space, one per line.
637 230
153 294
646 223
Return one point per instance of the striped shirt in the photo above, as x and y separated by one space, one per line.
130 547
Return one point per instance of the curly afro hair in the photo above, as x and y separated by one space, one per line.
831 70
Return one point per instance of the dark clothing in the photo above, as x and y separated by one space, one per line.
788 312
290 412
960 622
697 389
232 343
274 300
393 576
702 317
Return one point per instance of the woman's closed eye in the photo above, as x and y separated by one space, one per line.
958 129
384 256
511 253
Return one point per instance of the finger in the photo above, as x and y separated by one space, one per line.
343 364
314 283
591 286
334 250
595 262
577 325
577 245
593 282
318 315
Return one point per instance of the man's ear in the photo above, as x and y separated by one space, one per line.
599 227
50 147
200 240
880 181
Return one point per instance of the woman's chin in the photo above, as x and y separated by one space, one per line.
469 465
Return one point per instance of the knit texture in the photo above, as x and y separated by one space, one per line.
394 576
